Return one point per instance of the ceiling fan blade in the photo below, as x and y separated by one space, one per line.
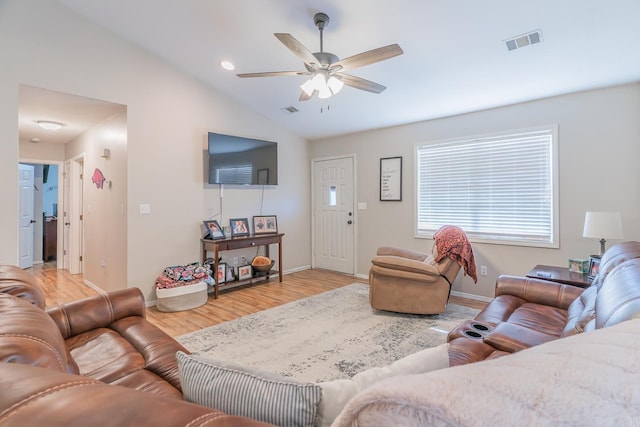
274 74
369 57
360 83
305 97
297 48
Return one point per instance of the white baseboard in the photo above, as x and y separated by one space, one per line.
94 287
295 270
362 276
471 296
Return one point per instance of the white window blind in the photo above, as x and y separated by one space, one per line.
497 188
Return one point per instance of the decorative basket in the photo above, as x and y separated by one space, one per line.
263 268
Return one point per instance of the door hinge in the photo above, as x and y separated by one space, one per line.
80 217
81 176
80 257
64 252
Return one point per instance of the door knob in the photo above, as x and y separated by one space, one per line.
33 221
349 222
67 223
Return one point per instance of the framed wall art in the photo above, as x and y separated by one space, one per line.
265 224
391 179
239 227
214 230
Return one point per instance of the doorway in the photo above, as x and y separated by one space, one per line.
333 184
39 199
66 147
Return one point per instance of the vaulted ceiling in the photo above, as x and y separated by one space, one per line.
455 55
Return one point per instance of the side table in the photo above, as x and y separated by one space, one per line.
560 275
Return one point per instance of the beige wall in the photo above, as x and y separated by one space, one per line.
105 220
599 148
168 116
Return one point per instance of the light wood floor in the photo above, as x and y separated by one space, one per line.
61 287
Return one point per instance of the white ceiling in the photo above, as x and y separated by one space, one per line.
455 59
76 113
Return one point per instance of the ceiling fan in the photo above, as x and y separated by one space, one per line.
326 69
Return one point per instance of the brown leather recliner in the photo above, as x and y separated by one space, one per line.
408 281
95 361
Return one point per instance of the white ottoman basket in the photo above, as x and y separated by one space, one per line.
182 297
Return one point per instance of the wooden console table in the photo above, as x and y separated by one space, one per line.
560 275
221 245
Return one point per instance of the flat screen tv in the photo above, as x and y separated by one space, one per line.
242 161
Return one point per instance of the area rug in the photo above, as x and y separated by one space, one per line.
328 336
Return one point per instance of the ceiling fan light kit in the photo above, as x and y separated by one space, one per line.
326 69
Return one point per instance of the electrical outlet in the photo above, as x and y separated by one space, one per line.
144 209
483 270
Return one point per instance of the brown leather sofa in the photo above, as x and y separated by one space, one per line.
95 361
527 312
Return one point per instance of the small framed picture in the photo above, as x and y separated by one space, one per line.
239 227
214 230
265 224
578 265
594 267
222 272
244 272
231 275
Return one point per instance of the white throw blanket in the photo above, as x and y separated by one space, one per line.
591 379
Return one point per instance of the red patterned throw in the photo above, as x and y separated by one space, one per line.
452 242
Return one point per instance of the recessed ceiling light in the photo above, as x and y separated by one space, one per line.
227 65
48 125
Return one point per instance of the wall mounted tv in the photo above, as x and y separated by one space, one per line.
242 161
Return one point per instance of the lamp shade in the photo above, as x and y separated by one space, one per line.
603 225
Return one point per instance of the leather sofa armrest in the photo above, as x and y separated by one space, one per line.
39 396
538 291
408 265
98 311
511 338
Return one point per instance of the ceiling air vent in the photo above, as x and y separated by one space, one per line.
523 40
290 109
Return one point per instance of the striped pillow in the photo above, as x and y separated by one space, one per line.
236 390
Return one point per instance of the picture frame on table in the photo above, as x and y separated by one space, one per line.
222 272
231 275
214 230
265 224
239 227
594 267
245 272
578 265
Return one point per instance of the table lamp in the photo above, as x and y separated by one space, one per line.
603 225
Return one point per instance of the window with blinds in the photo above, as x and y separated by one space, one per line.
499 189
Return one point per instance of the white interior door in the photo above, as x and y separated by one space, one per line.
334 214
75 210
66 220
25 215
